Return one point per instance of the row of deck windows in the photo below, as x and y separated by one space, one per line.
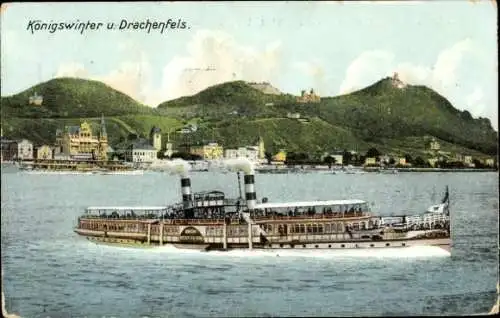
272 229
128 227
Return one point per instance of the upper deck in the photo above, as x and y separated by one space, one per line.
213 206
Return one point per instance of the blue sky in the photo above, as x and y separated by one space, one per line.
333 47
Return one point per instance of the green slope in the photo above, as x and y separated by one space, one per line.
380 111
235 114
72 98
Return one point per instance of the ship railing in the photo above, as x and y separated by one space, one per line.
194 221
418 220
313 216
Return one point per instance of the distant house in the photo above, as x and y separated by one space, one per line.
468 161
385 159
17 149
44 152
36 100
249 152
280 156
138 151
189 128
370 161
434 145
432 161
8 154
209 151
490 162
310 97
293 115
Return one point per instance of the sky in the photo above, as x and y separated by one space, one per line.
333 47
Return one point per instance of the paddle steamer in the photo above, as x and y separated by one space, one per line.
210 221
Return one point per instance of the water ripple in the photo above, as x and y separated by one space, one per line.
51 272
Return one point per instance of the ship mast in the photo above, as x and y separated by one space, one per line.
239 185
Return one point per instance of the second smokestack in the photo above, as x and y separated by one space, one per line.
250 195
186 191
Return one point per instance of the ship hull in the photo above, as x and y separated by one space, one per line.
138 240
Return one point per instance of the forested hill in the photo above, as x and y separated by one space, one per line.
383 115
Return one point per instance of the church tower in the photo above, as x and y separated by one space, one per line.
103 141
262 150
155 138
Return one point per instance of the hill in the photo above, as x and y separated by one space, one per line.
266 88
71 98
390 118
382 111
68 101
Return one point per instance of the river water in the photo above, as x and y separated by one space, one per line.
51 272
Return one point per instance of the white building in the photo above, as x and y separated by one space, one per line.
338 159
24 149
293 115
140 151
250 152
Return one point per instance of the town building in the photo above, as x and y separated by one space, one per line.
310 97
7 154
370 161
249 152
339 159
280 156
78 142
44 152
169 147
432 162
140 151
16 149
434 145
253 153
468 161
36 100
336 155
490 162
210 151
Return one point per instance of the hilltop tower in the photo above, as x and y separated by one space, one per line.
103 141
155 138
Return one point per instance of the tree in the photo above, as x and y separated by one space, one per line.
329 160
419 162
478 164
373 152
132 136
392 161
408 158
346 157
161 154
186 156
269 157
